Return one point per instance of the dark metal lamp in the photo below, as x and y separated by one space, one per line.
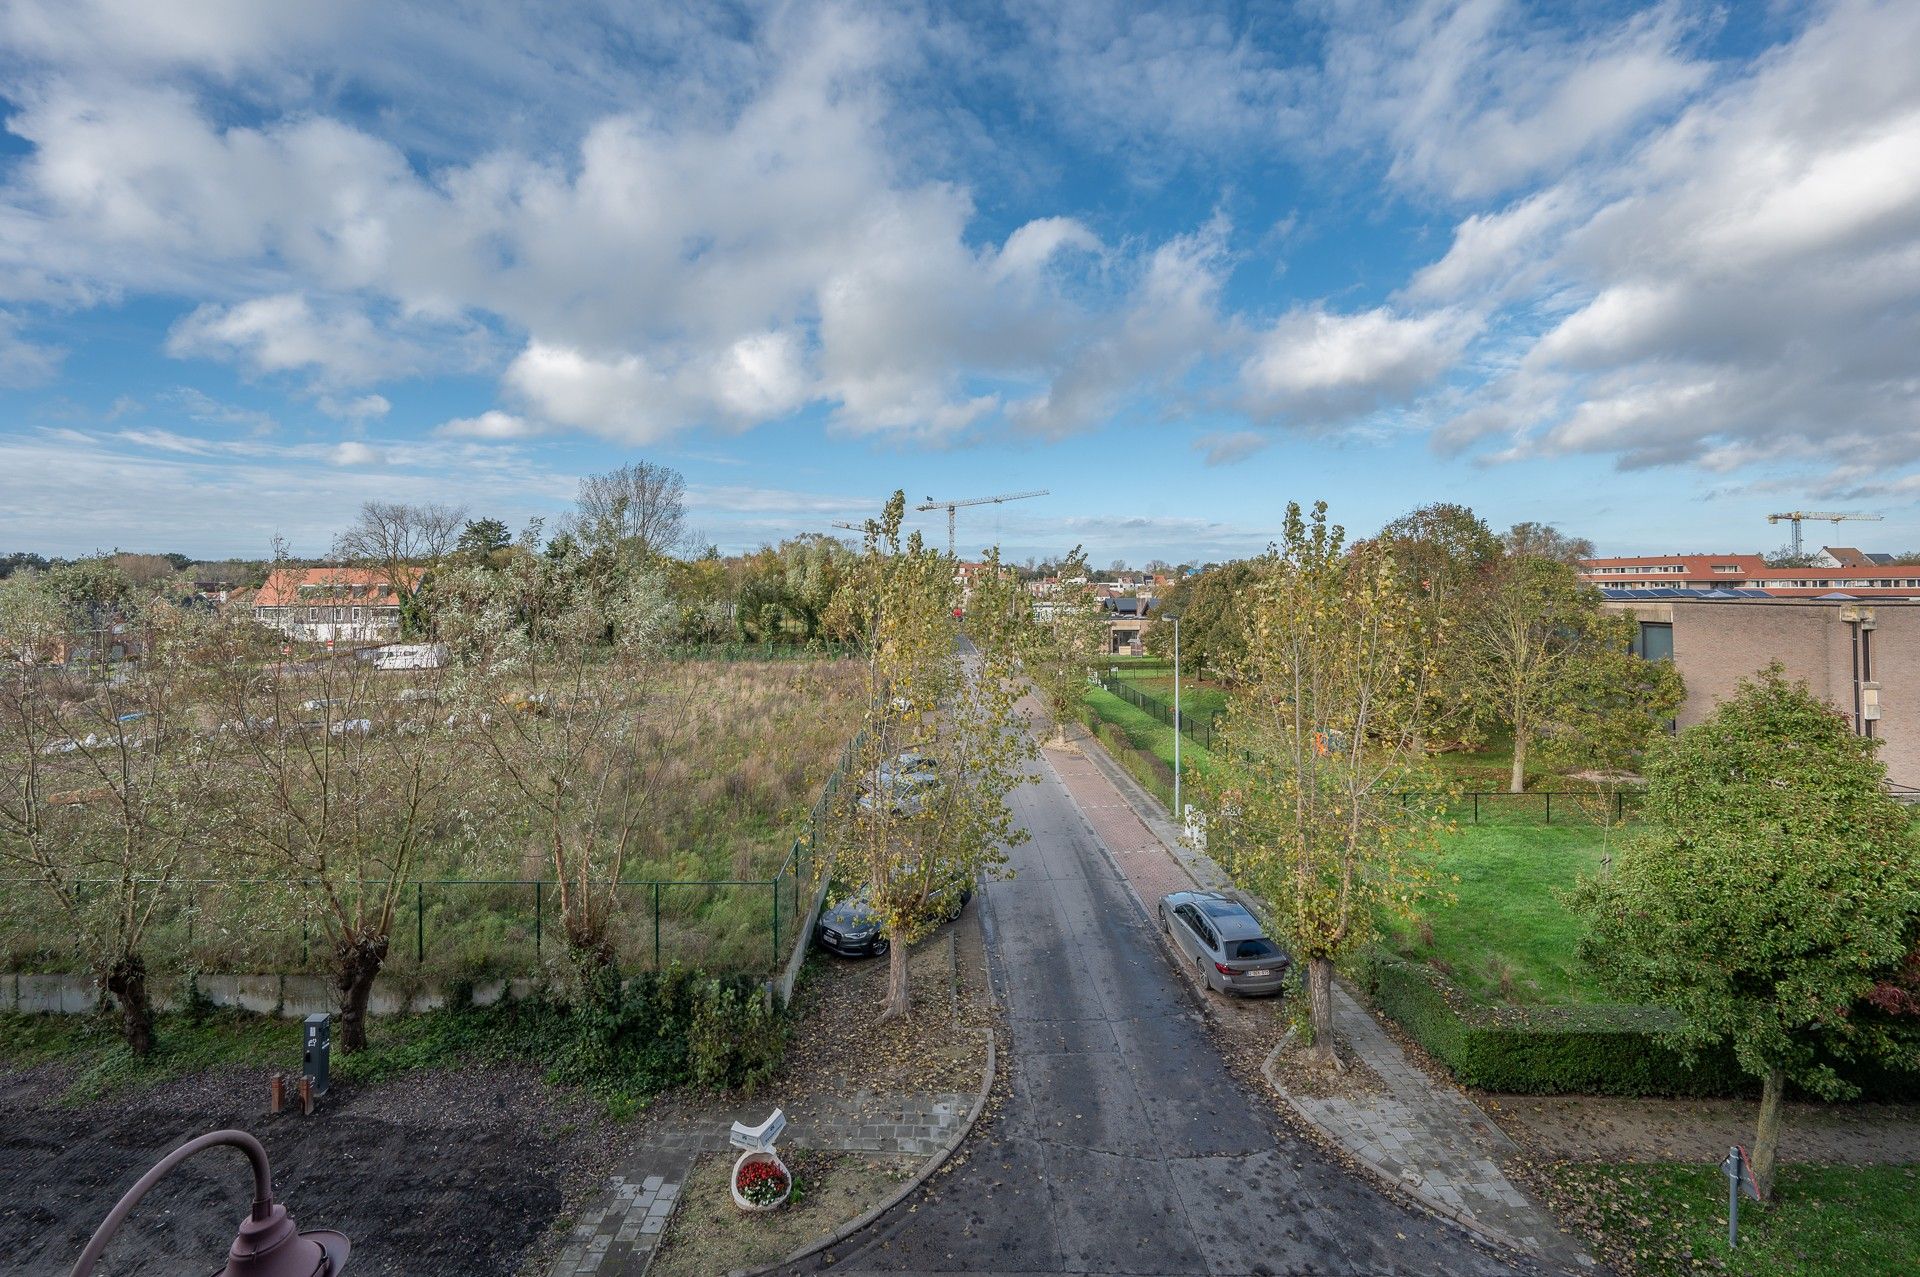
267 1245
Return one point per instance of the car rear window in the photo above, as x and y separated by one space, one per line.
1251 949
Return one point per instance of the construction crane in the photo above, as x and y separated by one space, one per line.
951 506
851 527
1830 516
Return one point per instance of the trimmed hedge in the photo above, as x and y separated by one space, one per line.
1581 1050
1154 775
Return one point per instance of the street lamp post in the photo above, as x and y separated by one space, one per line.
1179 813
267 1244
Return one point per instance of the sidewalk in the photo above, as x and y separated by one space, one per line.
1424 1137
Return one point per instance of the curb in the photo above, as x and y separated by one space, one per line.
1468 1221
920 1177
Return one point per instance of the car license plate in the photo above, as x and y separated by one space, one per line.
1262 971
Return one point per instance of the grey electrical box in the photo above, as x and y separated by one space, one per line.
319 1045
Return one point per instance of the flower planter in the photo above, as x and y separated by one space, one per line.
757 1159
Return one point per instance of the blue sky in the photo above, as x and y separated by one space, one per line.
1644 271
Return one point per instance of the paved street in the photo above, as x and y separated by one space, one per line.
1123 1145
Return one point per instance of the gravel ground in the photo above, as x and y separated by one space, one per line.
432 1173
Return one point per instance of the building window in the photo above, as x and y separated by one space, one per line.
1654 642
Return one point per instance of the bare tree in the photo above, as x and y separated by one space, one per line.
639 509
108 792
342 785
392 537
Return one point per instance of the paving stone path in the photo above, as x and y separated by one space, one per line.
618 1233
1432 1139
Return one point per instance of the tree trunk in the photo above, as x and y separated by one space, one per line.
356 964
1766 1141
1518 781
897 1006
127 982
1320 1012
596 964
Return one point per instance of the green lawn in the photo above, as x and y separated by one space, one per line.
1661 1221
1147 733
1197 700
1507 937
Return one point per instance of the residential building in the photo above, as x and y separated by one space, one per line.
1865 577
333 604
1861 657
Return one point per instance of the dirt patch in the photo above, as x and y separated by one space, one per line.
709 1234
1607 1129
1301 1077
436 1172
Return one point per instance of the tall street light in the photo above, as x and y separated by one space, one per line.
267 1245
1179 812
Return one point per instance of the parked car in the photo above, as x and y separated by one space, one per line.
1225 942
851 930
905 791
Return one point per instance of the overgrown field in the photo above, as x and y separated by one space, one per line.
750 745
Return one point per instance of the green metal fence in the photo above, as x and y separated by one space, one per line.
442 927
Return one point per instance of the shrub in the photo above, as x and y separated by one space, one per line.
736 1040
1556 1050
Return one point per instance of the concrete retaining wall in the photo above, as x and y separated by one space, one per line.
292 996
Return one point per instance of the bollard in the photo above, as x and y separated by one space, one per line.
277 1093
306 1096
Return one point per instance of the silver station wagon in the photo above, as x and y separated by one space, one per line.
1225 942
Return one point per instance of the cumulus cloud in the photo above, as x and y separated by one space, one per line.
1315 366
1224 447
24 362
358 410
287 333
352 452
1742 287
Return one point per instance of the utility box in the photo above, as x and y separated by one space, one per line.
319 1047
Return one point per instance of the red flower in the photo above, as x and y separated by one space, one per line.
761 1182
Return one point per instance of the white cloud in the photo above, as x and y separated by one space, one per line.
491 424
1224 447
1315 366
1742 288
24 362
1473 96
352 452
285 333
359 410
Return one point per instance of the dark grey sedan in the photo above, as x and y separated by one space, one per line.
851 930
1225 942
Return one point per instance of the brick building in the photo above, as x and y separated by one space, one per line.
1851 571
1860 655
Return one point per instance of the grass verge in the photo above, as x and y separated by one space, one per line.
1660 1221
1507 937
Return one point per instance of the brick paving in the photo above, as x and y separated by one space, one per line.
618 1233
1424 1136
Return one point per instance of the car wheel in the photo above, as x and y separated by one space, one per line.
1201 966
880 948
1166 927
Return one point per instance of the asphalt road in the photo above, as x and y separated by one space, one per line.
1123 1145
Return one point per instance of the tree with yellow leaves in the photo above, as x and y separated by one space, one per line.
1318 750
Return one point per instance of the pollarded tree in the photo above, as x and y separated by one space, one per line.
926 815
1778 889
345 778
1534 640
1318 749
109 792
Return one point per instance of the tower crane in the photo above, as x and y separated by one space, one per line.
951 506
1830 516
851 527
